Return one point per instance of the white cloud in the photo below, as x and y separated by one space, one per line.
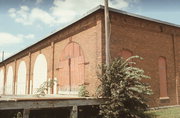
20 16
29 17
28 36
62 11
8 39
12 12
39 1
40 15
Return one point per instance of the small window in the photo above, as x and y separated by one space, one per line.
126 53
162 77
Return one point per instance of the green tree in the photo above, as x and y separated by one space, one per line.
123 87
83 91
43 89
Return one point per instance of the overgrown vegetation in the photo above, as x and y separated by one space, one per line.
43 89
83 91
123 87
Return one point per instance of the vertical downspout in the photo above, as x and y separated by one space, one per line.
107 32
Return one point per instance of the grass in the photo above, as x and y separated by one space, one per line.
165 113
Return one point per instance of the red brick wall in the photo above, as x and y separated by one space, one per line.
149 40
86 32
89 40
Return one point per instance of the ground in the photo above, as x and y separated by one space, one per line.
166 113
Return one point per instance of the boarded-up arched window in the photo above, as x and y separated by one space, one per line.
21 81
71 68
9 81
40 72
162 77
126 53
1 81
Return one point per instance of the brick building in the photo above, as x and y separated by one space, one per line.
72 56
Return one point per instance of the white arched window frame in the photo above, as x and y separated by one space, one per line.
9 81
1 81
39 72
21 80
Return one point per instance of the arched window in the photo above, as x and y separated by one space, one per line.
126 53
1 81
21 80
162 77
71 70
40 72
9 81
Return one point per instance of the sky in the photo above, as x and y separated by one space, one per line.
25 22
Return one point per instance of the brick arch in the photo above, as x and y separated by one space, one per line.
71 69
21 78
1 81
125 53
9 81
39 71
67 52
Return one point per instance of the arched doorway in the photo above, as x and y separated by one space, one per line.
71 70
21 81
39 72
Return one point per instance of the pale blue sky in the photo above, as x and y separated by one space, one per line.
24 22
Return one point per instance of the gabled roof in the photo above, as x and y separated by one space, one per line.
100 7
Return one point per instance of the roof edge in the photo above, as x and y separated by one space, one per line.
89 13
143 17
50 34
